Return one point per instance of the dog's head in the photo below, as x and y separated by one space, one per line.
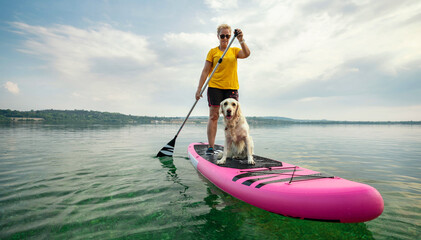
230 108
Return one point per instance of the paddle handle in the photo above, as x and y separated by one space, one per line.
207 81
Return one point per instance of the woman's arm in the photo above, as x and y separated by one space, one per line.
203 76
245 51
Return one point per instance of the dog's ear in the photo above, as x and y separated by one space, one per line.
238 112
220 108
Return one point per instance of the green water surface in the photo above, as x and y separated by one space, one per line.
104 182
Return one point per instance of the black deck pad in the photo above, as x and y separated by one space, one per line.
261 162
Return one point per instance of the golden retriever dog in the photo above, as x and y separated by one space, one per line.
238 142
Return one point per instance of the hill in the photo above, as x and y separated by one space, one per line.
72 116
95 117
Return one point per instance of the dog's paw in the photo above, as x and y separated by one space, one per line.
219 154
222 161
251 161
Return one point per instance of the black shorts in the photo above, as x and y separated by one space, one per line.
216 95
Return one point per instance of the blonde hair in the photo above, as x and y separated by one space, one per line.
221 27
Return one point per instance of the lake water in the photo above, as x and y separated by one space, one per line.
104 182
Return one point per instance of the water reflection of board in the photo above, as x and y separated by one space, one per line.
289 190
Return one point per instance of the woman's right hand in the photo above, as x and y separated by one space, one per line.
198 96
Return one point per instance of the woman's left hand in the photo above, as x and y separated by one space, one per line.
240 34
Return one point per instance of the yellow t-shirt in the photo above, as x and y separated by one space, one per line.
225 77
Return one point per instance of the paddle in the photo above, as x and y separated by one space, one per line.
168 150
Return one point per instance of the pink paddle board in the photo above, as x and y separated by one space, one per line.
289 190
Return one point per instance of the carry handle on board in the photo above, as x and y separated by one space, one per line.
168 150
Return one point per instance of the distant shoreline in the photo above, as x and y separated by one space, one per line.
8 116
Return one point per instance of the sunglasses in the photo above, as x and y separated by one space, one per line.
222 36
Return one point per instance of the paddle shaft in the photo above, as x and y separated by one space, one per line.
207 82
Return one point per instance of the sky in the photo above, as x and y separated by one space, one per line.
310 59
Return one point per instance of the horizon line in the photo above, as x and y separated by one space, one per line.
204 116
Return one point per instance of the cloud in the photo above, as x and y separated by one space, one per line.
188 47
303 43
99 68
73 51
310 99
12 87
221 4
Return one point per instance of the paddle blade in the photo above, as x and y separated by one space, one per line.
167 150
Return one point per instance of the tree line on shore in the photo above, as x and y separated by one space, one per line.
72 116
95 117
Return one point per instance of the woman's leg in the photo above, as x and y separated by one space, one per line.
212 124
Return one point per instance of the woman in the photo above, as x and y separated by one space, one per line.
224 82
